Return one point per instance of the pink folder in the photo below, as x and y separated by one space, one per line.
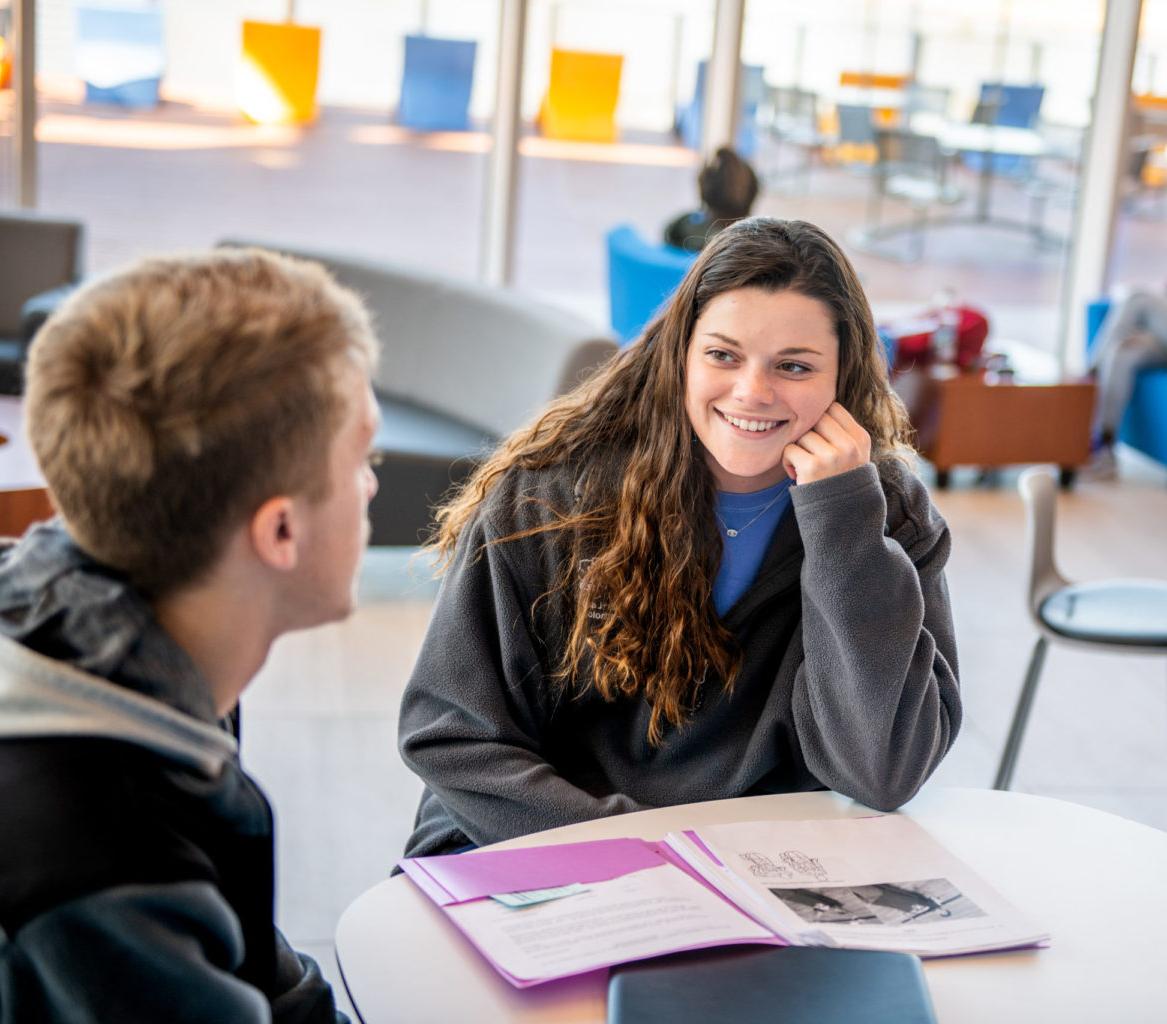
461 878
457 879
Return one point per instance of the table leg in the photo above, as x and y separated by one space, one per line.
985 187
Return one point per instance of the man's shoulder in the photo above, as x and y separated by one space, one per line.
84 814
132 953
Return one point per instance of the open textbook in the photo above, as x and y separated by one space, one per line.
879 882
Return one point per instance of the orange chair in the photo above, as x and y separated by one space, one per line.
581 96
871 82
1149 101
278 71
5 64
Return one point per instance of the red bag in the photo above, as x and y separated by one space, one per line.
913 338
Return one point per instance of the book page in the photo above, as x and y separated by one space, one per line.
863 883
645 913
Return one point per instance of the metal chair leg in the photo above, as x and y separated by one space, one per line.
874 203
921 233
1021 716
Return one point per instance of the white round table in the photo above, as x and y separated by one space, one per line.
1097 883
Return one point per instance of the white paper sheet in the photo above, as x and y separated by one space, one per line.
642 914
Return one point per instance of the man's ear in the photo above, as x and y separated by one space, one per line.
275 533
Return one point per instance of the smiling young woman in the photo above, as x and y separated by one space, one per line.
708 572
761 373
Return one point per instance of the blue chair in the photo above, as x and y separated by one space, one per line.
753 91
121 54
1010 106
1144 426
641 276
435 84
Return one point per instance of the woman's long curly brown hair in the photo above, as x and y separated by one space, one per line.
644 518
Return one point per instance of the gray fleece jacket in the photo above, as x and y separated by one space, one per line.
848 681
136 857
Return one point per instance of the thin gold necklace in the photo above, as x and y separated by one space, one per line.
730 532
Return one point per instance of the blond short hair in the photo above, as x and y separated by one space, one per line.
167 402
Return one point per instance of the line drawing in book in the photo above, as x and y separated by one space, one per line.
931 901
791 864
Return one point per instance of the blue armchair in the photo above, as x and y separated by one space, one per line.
641 276
1145 424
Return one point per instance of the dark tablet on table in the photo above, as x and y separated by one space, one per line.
765 985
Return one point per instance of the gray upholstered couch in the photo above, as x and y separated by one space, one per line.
40 260
462 365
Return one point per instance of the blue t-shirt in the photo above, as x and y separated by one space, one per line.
755 516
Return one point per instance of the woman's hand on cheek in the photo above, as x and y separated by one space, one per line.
834 445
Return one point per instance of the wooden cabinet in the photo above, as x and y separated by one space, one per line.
970 419
23 498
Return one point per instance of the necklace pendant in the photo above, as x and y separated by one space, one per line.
730 533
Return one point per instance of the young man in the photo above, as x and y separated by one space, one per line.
204 425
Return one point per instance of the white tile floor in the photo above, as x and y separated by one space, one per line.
320 722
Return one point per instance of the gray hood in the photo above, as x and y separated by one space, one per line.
81 654
43 697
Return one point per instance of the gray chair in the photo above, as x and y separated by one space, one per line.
38 255
856 124
793 111
1118 615
1148 133
926 99
462 365
794 121
914 169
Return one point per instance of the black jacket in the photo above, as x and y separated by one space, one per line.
137 856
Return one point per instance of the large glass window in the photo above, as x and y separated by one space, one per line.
1141 231
994 230
192 170
572 190
7 101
